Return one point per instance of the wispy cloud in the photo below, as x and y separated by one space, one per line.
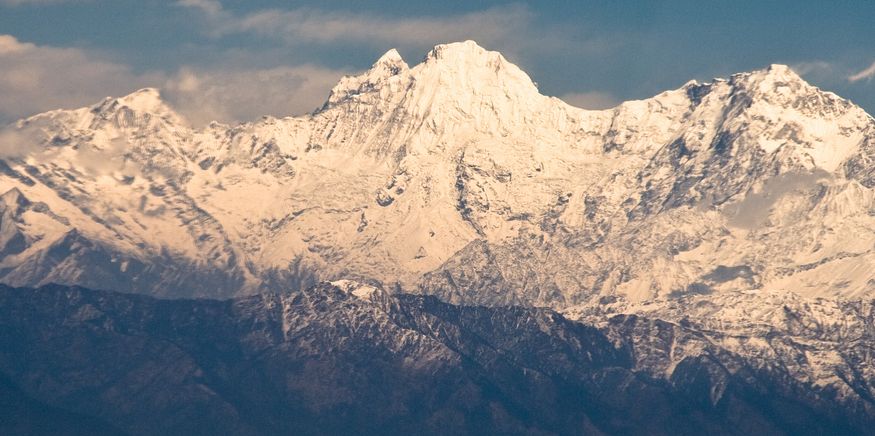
512 28
813 67
866 73
305 25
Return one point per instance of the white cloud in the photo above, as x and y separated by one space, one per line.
17 143
39 78
10 45
591 100
867 73
245 94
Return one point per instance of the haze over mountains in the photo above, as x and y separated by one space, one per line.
732 221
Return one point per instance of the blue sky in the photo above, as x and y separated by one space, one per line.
237 60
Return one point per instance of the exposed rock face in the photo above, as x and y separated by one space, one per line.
351 358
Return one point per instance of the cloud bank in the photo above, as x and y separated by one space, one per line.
38 78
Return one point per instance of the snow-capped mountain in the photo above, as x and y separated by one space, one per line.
718 238
454 177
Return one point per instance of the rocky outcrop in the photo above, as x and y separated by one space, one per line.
346 357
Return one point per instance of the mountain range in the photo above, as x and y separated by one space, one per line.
713 243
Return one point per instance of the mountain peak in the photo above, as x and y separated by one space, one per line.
388 66
779 68
466 64
783 73
466 54
458 50
462 66
775 75
144 100
391 57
